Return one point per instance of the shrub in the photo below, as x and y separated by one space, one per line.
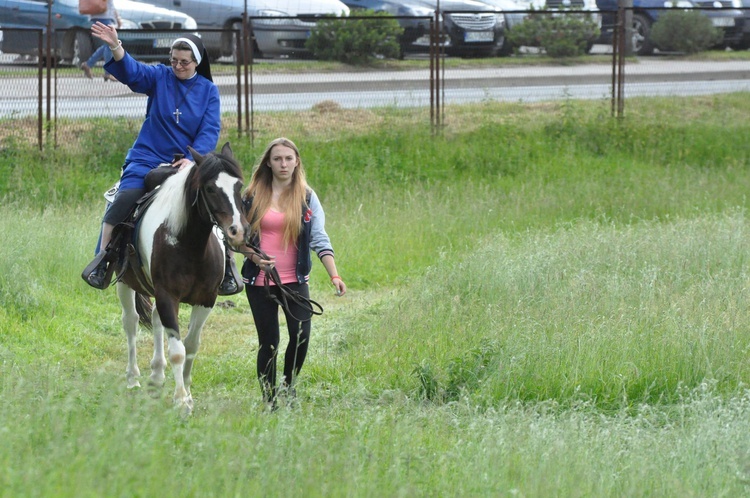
560 35
685 31
356 41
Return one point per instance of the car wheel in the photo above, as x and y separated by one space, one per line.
237 54
641 35
77 47
506 49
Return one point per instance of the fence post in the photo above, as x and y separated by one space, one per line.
40 77
435 79
48 61
432 74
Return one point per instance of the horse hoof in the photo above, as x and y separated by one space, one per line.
132 384
154 389
184 408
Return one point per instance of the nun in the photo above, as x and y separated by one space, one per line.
182 111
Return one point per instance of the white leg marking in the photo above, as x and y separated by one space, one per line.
158 361
130 325
198 317
177 358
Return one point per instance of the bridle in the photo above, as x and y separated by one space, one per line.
287 294
200 194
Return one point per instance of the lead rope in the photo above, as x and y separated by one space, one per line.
287 294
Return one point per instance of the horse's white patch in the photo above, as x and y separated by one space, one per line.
168 204
226 183
167 209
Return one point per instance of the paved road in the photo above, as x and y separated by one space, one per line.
78 97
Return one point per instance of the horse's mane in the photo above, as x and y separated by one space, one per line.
172 197
212 165
178 192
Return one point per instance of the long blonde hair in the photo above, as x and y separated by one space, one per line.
291 200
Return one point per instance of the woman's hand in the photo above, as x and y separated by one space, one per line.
267 264
181 163
107 34
339 285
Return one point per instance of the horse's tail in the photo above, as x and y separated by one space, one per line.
144 308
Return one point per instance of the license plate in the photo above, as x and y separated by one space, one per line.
479 36
162 42
722 22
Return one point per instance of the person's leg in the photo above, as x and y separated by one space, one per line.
97 55
266 317
299 325
106 234
117 212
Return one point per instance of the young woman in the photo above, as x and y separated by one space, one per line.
183 110
288 224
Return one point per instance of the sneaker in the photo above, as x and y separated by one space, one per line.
87 71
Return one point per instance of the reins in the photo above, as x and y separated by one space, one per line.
287 294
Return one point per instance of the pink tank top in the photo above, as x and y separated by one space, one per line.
272 243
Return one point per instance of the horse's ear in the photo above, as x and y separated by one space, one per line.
227 150
196 156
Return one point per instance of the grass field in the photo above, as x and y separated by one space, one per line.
543 301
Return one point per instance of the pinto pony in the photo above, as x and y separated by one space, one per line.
180 259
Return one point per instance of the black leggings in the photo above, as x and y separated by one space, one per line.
266 316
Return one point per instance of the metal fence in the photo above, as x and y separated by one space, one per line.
41 95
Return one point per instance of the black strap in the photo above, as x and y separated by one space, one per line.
287 294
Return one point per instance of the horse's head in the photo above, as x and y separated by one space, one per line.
218 183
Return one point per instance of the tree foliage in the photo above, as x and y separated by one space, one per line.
559 34
685 31
356 41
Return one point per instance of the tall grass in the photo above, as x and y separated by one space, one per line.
543 302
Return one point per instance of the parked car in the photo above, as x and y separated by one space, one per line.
722 15
151 39
142 34
279 27
470 27
743 41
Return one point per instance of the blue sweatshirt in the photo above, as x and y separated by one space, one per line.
166 131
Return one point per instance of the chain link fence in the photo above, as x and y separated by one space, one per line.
451 60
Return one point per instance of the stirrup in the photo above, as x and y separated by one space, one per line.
99 259
232 282
230 285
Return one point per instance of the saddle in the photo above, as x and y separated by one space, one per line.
121 250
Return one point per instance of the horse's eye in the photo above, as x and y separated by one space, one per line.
210 190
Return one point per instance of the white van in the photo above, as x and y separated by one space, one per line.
279 27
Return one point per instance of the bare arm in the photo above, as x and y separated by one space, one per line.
330 265
108 34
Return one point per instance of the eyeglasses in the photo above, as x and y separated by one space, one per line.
174 62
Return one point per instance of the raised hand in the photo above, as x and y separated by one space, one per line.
107 34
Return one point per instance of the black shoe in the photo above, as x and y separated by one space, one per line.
229 285
98 276
232 284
